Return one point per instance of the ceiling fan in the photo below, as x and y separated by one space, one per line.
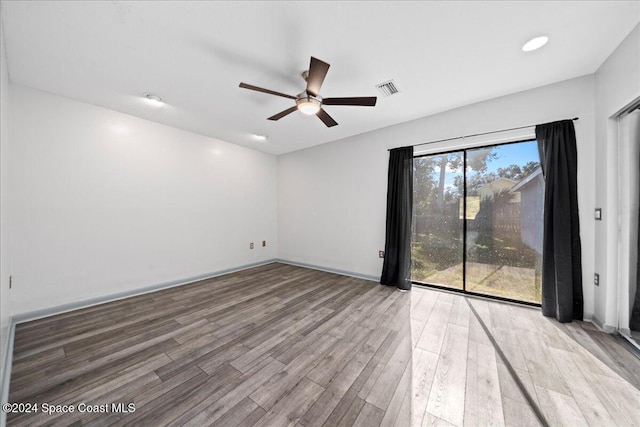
309 101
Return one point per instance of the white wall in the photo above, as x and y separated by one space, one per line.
617 86
331 198
5 308
104 203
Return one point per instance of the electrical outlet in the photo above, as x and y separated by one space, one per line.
251 245
598 214
264 243
380 254
596 279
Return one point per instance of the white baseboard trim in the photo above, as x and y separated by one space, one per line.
329 270
602 326
38 314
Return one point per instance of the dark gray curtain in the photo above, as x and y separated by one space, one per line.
396 269
561 256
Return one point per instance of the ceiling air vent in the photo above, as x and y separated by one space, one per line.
388 88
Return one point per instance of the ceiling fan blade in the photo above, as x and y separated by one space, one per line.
365 101
283 113
271 92
326 119
317 72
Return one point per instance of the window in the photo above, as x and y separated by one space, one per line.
478 220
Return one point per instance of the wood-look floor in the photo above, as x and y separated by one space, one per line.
574 374
274 345
282 345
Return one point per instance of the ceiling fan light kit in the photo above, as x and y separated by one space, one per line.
308 105
310 102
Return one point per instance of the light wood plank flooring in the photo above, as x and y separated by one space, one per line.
280 345
573 374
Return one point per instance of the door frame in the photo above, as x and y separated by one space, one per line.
627 218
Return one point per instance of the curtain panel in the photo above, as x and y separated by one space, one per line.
396 269
562 253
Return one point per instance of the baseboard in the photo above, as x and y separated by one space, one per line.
330 270
52 311
602 326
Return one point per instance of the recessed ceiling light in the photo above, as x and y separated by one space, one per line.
535 43
260 137
153 100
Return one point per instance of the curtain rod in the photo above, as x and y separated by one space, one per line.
475 134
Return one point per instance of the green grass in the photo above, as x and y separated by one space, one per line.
433 253
437 257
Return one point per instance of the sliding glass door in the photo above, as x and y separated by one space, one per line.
478 221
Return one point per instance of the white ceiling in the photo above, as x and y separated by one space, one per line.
194 55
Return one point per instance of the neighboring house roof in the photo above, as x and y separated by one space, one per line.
528 179
499 180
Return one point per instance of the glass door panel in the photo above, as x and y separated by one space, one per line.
437 247
504 202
